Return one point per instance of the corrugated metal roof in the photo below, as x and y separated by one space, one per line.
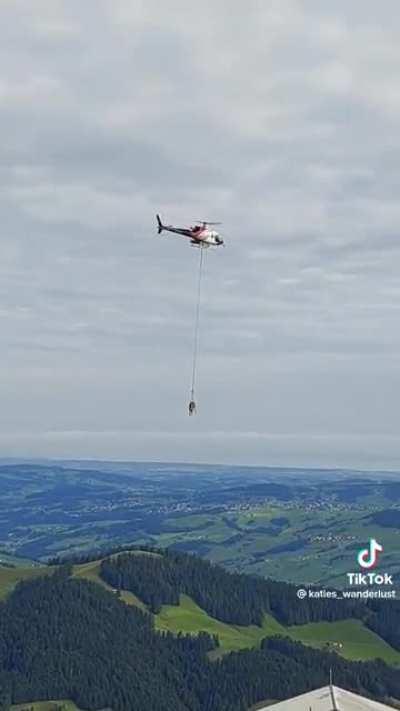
328 699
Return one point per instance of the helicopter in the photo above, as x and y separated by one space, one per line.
200 235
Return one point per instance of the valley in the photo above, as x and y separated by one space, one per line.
295 525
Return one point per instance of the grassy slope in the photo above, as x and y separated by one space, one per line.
358 642
91 571
189 617
9 577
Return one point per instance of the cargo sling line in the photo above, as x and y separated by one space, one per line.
192 404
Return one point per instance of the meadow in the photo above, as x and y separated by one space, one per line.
349 638
357 642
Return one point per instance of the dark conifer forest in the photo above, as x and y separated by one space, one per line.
231 597
237 598
63 637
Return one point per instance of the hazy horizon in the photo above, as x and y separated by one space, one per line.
92 462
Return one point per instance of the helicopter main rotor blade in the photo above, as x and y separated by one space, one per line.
206 222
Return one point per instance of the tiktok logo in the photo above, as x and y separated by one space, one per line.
368 557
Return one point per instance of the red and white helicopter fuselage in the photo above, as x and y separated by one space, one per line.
200 235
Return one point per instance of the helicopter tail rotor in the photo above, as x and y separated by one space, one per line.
159 224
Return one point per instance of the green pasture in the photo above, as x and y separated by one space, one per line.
191 619
358 642
9 577
350 638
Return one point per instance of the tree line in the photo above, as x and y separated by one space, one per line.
63 637
238 598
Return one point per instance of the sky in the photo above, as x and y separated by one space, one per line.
279 118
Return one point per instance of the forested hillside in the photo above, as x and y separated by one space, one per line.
231 597
238 599
66 638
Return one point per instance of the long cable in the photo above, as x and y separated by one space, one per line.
196 327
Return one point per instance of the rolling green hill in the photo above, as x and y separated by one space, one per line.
358 642
349 638
113 649
91 571
10 577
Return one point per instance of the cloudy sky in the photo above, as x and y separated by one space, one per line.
278 117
